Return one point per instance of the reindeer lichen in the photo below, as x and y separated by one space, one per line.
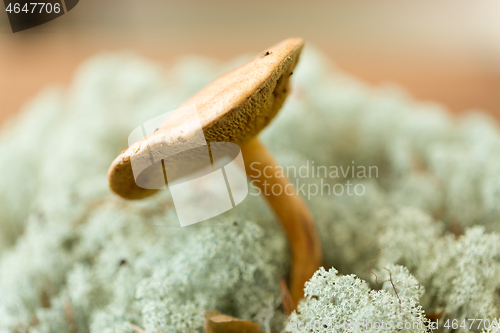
75 258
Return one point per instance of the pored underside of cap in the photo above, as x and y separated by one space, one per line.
233 108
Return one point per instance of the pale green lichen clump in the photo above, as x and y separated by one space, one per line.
346 304
76 258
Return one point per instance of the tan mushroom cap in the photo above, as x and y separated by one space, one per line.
233 108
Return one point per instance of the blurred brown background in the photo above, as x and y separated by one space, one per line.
447 51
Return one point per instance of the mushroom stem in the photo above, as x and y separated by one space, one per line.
291 211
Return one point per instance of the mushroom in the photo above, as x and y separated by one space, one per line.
216 322
235 108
